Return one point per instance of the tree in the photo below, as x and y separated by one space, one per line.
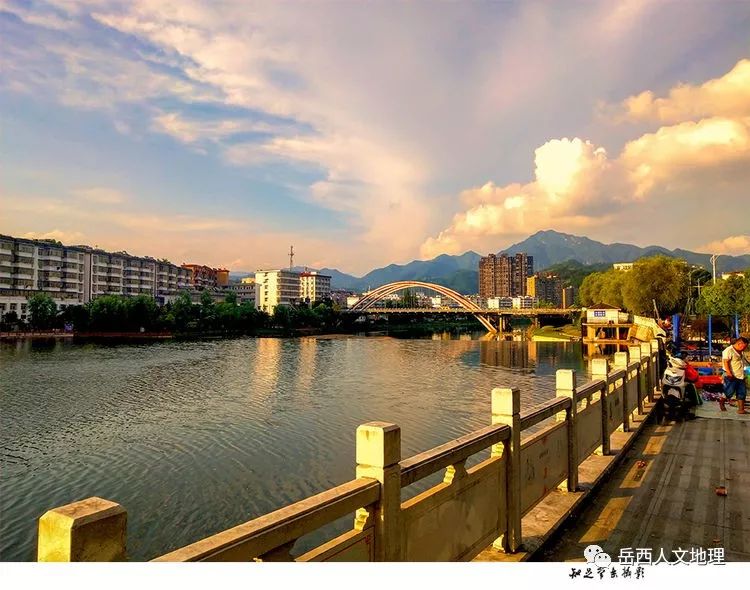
208 311
9 319
43 311
183 313
658 278
108 313
231 297
142 312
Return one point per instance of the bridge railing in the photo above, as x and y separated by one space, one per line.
531 455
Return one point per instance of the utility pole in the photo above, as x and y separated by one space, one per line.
713 265
291 257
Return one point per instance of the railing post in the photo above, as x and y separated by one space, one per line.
90 530
646 352
635 356
506 409
378 455
656 361
600 370
621 362
565 386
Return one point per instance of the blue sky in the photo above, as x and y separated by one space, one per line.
370 133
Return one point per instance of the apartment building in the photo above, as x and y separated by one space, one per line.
314 286
31 266
245 291
205 277
546 287
276 287
504 276
74 275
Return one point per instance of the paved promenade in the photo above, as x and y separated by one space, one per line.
663 494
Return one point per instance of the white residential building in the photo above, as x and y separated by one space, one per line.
245 291
500 303
623 266
525 302
74 275
276 287
314 286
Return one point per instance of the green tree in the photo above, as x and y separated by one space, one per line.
183 313
108 314
208 311
231 297
282 316
42 311
657 278
142 312
77 315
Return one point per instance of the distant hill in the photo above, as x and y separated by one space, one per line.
573 257
549 247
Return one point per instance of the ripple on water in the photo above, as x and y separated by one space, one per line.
196 437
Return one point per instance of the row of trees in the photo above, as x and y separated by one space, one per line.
658 278
672 284
115 313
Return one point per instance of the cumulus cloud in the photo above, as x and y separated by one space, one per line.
734 245
727 96
576 185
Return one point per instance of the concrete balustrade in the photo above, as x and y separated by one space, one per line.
471 509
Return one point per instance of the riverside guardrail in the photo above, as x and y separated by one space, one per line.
454 520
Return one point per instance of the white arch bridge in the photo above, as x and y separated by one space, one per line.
494 320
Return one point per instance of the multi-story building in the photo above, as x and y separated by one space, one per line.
74 275
245 291
525 302
568 296
205 277
39 266
504 276
314 286
545 287
500 303
276 287
171 280
522 267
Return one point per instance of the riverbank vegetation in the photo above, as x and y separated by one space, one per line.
675 286
117 313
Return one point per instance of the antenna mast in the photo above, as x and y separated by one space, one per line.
291 257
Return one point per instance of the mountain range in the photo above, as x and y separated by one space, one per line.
548 248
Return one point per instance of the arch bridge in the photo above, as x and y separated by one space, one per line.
494 320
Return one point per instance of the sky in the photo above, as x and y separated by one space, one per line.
373 133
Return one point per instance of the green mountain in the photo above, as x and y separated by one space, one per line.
573 257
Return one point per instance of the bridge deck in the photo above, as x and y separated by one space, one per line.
663 495
529 311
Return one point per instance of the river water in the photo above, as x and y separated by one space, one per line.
196 437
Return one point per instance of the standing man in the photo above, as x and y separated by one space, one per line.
733 361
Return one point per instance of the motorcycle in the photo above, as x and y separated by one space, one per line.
679 395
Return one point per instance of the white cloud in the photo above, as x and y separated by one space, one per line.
734 245
577 186
726 96
72 237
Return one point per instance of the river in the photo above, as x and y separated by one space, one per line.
195 437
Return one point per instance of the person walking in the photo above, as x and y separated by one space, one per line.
733 362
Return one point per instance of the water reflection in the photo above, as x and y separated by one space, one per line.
195 437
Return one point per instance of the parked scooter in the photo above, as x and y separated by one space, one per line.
679 395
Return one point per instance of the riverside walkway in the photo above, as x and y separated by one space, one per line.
500 493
